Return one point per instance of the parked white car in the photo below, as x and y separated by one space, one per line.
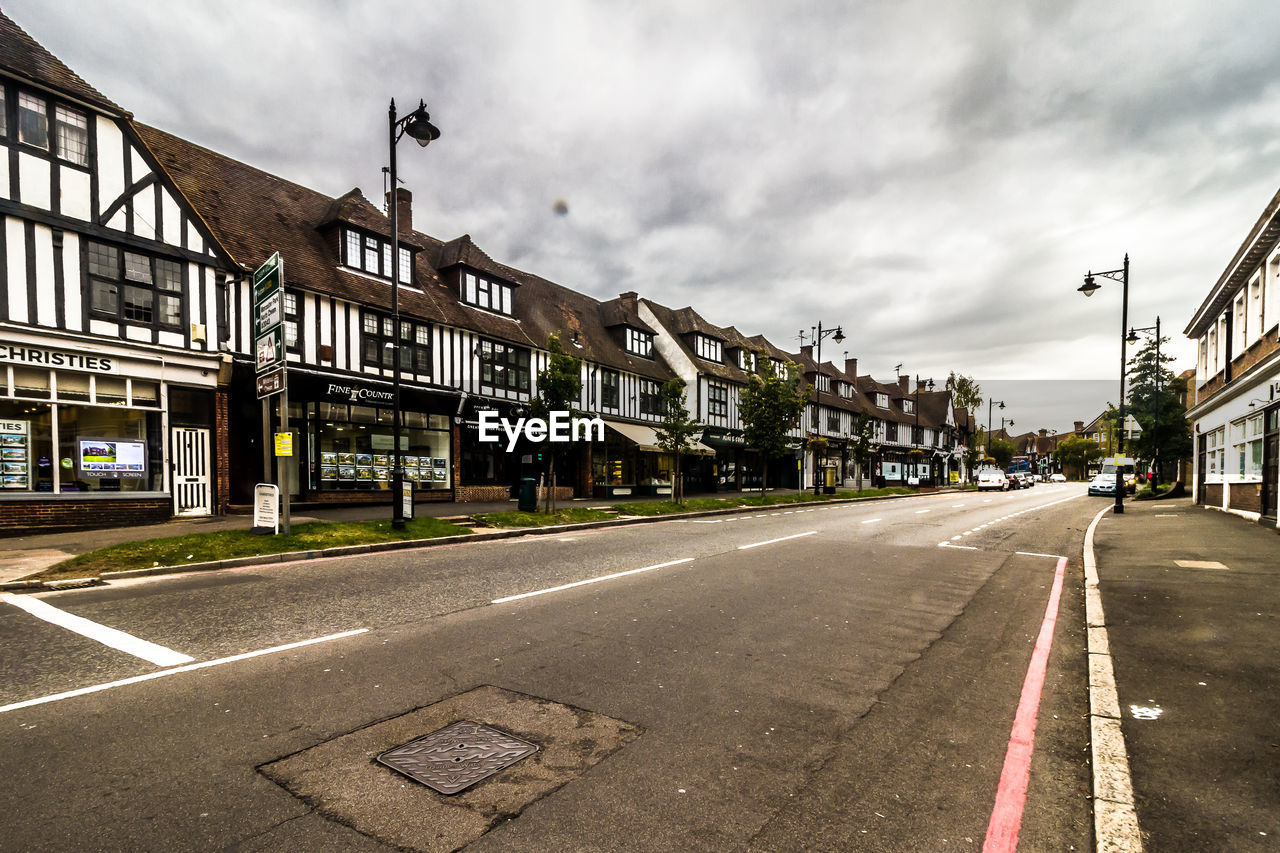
992 478
1057 478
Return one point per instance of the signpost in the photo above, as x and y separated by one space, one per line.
272 375
266 508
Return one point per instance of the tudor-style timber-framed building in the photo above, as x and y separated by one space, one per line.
112 384
1234 399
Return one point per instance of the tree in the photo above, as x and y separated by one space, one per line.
1077 452
1166 435
771 406
1002 451
966 394
559 387
676 432
861 442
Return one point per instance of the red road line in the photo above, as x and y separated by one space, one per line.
1011 795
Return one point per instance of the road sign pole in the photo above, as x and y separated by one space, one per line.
285 462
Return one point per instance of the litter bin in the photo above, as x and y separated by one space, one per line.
528 495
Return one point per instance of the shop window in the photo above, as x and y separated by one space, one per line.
134 287
355 449
609 389
108 449
26 447
1246 448
190 406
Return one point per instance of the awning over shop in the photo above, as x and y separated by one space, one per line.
646 439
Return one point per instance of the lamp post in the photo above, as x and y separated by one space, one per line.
1155 426
837 335
1121 275
916 435
418 125
990 402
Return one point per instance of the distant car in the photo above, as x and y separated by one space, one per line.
1028 479
1103 484
992 479
1057 478
1036 478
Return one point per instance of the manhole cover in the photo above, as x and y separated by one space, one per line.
456 757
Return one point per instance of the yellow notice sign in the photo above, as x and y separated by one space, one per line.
284 444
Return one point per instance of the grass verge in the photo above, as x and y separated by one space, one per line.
570 515
701 504
229 544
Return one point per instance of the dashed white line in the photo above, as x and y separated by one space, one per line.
779 539
871 521
920 511
591 580
139 648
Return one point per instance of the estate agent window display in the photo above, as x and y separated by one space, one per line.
354 443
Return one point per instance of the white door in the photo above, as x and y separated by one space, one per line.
192 494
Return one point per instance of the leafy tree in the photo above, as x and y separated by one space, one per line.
677 430
965 392
559 387
1166 435
1002 451
861 442
1077 452
771 406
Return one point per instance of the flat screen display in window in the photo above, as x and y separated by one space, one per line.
15 451
112 457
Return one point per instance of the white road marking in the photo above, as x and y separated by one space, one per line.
964 547
148 651
175 670
1200 564
591 580
956 506
871 521
771 541
1034 554
707 521
919 511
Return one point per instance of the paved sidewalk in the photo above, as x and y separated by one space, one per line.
1192 604
24 555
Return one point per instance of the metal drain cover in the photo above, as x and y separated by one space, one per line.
456 757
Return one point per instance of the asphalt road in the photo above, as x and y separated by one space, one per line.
825 678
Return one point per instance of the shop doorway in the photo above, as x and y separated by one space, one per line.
192 492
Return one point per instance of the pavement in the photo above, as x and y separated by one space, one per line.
1192 614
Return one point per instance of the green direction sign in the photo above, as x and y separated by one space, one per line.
267 278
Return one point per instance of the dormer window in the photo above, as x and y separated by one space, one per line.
639 343
908 406
824 383
372 254
708 348
488 294
882 400
747 360
845 390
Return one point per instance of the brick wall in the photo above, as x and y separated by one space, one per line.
1246 497
18 517
222 451
486 494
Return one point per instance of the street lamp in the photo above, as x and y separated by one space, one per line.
991 402
916 435
1121 275
1155 427
416 124
837 335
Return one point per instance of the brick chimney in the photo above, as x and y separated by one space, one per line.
851 368
628 300
1079 426
1043 432
904 382
807 351
404 208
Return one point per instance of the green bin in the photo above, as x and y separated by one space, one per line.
528 495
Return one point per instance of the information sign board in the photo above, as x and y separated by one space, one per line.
284 444
269 350
270 382
266 508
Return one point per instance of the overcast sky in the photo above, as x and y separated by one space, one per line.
936 177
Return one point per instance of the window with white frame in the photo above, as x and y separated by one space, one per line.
1242 327
779 369
845 390
1255 308
747 360
133 288
1214 450
1204 357
71 132
717 399
379 344
908 406
372 254
708 348
291 340
823 383
33 121
1212 359
488 294
639 343
882 400
1246 449
833 420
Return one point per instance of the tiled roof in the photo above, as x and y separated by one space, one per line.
252 214
22 57
686 320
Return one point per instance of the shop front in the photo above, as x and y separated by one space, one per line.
345 431
97 436
630 462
